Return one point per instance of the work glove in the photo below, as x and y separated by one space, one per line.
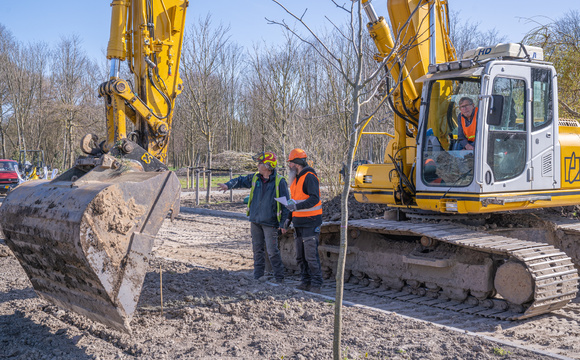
286 224
291 206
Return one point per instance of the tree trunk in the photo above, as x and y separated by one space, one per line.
209 155
70 141
64 152
2 134
343 242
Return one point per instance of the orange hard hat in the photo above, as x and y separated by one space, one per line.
297 154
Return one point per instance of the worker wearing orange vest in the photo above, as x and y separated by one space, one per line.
306 217
266 215
467 123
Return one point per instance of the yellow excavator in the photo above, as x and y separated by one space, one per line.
84 238
31 164
449 239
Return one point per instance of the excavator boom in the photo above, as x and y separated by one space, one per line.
84 238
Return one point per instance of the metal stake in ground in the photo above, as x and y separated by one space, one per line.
161 287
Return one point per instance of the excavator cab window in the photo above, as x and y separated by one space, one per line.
507 140
542 109
445 162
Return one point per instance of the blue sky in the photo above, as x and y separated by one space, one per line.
34 20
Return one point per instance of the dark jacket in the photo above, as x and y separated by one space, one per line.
311 188
263 206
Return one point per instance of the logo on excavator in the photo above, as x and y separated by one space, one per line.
146 158
572 168
484 51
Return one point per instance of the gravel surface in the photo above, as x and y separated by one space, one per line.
213 309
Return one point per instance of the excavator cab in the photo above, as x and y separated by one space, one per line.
515 144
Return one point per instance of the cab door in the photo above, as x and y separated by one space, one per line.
506 164
544 132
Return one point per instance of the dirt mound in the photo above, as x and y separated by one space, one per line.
356 210
239 162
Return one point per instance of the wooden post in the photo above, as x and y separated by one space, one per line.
161 287
231 190
208 189
197 186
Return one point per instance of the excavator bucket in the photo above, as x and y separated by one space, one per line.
84 241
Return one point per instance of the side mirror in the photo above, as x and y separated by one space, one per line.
495 110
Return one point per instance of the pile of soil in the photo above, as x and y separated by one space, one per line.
239 162
356 210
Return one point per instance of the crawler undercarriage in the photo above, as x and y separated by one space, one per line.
514 273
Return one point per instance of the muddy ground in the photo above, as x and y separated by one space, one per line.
213 309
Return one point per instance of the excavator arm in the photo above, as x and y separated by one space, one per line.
420 37
84 238
148 35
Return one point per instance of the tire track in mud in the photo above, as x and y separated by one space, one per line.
357 297
217 240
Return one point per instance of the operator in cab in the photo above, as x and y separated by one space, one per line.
467 123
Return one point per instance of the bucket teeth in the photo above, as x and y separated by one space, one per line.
85 245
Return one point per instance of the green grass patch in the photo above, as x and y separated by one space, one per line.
500 351
202 184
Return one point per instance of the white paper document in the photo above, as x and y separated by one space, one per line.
282 200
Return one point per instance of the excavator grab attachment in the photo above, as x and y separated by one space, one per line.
84 238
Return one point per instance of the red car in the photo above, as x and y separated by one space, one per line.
9 176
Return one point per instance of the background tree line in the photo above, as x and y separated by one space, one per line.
272 97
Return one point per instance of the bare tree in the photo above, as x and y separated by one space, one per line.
24 76
256 111
202 59
277 74
230 74
560 40
69 75
7 45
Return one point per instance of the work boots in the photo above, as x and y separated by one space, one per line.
304 287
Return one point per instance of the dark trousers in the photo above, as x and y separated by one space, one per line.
306 242
266 237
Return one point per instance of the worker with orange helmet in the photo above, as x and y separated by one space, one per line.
266 215
306 217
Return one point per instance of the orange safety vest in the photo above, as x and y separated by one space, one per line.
298 194
469 131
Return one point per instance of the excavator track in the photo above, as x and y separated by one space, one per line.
531 278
